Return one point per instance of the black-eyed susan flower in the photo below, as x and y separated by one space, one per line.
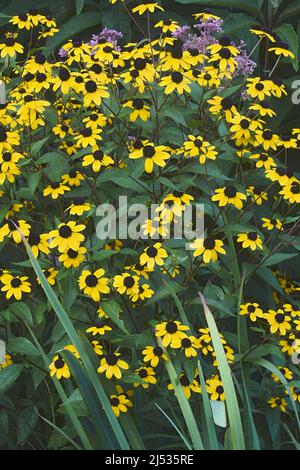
188 385
97 160
63 81
295 391
55 189
38 243
286 372
252 309
50 274
88 136
257 196
125 283
190 346
153 155
147 6
112 365
73 178
22 21
229 195
206 341
279 174
144 292
119 404
167 25
215 388
15 286
291 192
94 93
229 353
258 88
198 147
154 355
7 361
97 347
79 209
250 240
290 345
278 402
279 321
140 109
209 248
153 255
147 374
94 284
263 32
292 309
176 81
99 328
9 47
67 236
281 49
59 368
267 139
270 224
221 106
171 332
73 258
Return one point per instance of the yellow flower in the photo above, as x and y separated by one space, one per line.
15 286
154 354
188 385
251 309
153 255
10 47
209 248
215 388
146 6
67 236
111 365
277 402
94 284
229 195
250 240
152 155
171 332
279 321
59 368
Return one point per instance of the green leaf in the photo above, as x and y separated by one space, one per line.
112 310
21 310
22 346
37 146
234 416
287 34
9 375
291 11
79 6
278 258
183 403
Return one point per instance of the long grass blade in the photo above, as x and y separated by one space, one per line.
234 416
73 336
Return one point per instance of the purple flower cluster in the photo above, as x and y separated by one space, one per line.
182 33
110 35
62 53
246 66
201 37
210 26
